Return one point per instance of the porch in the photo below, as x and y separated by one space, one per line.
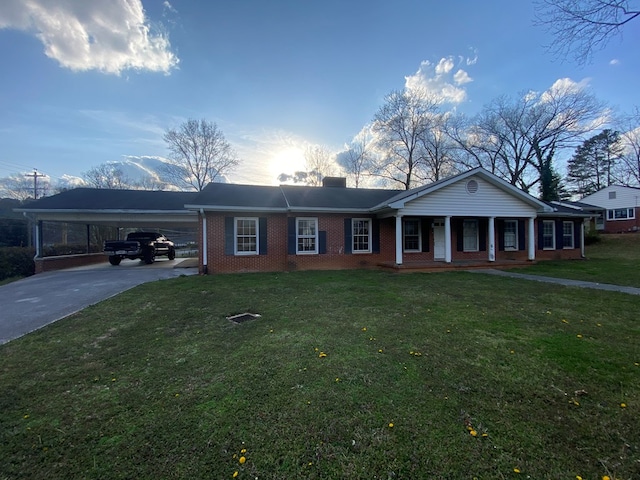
442 266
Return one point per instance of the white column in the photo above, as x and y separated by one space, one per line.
447 239
398 240
532 240
204 245
492 239
582 253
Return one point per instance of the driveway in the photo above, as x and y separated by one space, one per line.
36 301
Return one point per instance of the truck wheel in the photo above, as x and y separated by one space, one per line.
149 256
172 253
114 260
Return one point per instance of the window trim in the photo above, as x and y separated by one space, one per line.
404 235
565 235
465 236
316 236
553 234
256 221
630 214
504 236
354 235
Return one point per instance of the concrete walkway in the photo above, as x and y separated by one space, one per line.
561 281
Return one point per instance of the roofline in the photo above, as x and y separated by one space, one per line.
234 208
103 210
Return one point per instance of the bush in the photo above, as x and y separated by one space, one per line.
16 262
591 237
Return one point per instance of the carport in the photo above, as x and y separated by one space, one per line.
90 208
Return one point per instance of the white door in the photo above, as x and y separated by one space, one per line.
438 239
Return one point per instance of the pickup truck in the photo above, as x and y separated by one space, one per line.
143 245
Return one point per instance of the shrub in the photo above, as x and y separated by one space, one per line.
16 262
591 237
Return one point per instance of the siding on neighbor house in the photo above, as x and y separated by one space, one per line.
624 197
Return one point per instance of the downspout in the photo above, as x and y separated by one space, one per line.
204 242
36 236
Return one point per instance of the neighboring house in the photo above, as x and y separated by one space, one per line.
620 208
471 218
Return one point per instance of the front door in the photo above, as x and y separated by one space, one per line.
438 239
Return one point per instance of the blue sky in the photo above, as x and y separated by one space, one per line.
79 88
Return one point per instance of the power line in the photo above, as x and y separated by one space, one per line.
35 176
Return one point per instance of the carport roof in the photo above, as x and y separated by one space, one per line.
100 199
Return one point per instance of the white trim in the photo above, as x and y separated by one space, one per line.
464 235
353 235
404 234
553 234
504 236
573 241
235 236
316 237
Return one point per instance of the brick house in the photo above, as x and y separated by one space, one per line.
473 218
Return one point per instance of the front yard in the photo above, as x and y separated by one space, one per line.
352 374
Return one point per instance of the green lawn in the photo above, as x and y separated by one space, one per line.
615 259
353 374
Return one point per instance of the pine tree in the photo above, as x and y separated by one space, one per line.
591 167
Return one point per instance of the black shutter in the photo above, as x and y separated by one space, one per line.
228 236
291 235
482 233
540 234
577 228
375 236
559 242
424 233
322 242
521 238
262 222
500 233
348 238
459 235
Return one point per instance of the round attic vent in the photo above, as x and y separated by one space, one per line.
472 186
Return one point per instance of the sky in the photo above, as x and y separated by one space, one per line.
89 82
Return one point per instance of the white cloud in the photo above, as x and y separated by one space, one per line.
614 62
105 35
440 81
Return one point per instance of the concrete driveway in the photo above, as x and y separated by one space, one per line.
36 301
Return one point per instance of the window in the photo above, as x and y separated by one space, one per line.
411 234
567 234
306 235
510 234
612 195
361 235
548 235
470 235
621 214
246 236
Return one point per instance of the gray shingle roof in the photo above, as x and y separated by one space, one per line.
90 199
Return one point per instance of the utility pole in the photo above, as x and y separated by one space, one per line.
35 176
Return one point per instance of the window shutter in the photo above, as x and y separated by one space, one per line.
348 236
500 233
482 234
375 236
262 222
291 235
424 233
228 236
559 233
521 240
540 235
322 242
459 235
577 228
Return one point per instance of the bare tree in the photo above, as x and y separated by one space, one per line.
23 187
580 27
319 163
200 154
107 175
356 158
401 124
439 150
628 171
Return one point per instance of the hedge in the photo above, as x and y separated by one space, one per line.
16 262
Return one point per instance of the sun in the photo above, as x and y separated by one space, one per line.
288 160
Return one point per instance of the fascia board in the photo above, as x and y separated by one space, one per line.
234 208
104 210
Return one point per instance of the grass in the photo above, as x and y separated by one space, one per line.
615 259
352 374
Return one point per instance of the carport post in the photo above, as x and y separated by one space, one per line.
88 238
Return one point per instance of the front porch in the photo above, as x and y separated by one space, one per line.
442 266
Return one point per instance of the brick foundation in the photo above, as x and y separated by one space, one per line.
48 264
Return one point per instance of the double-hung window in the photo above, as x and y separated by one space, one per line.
567 234
470 235
548 235
621 214
246 236
411 235
361 235
306 235
510 234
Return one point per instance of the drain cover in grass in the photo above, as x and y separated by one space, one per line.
243 317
